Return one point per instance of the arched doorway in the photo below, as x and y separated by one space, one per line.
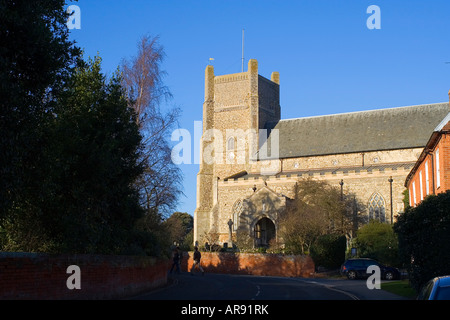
264 231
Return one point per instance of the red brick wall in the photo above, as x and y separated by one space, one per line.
43 276
254 264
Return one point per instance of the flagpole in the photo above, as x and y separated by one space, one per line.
242 69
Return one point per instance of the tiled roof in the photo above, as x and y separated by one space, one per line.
382 129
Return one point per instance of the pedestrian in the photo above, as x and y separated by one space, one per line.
197 257
175 260
180 261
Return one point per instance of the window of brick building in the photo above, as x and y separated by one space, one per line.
421 185
438 170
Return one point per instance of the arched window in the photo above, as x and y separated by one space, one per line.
230 144
230 150
238 208
377 207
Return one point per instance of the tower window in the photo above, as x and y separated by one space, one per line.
230 144
230 150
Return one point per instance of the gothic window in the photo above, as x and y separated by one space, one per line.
238 208
377 207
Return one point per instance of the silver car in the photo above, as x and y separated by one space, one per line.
436 289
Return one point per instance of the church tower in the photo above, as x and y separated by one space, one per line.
236 107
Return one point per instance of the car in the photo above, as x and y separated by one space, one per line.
437 288
357 268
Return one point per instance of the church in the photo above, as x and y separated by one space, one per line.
251 159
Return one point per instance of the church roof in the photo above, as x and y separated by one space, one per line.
383 129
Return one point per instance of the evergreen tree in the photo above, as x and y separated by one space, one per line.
95 154
424 239
36 59
72 149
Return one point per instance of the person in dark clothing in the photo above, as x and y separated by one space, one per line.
175 260
197 257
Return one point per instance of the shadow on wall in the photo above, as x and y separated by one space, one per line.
262 264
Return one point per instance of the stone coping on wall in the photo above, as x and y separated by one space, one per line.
327 172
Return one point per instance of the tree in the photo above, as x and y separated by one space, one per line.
424 238
72 154
142 78
97 144
317 209
160 185
88 203
329 250
178 226
211 240
35 60
378 241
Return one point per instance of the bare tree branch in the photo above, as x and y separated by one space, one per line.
143 81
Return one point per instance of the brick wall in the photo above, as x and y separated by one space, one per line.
253 264
418 185
43 276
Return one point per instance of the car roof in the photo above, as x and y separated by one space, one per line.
443 281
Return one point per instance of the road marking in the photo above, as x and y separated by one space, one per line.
332 288
257 292
341 291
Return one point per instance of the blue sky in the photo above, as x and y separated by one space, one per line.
329 61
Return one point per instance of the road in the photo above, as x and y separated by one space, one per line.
242 287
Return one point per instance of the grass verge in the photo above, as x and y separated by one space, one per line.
401 288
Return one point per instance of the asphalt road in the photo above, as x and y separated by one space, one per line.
241 287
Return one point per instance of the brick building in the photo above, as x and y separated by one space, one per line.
431 173
251 159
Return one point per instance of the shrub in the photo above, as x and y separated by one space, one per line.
378 241
424 239
329 250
